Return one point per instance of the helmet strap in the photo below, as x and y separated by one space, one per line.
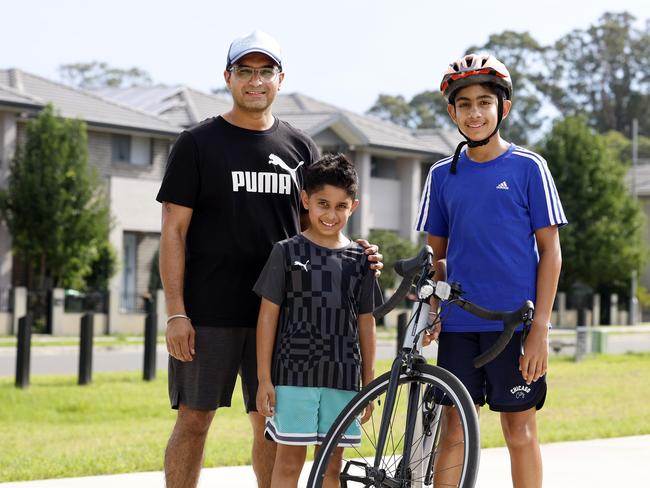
471 143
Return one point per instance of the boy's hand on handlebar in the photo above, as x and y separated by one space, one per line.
180 339
367 413
265 399
534 363
431 335
374 256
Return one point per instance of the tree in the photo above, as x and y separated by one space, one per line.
393 248
430 110
604 240
394 109
603 72
55 207
98 74
622 146
103 266
426 110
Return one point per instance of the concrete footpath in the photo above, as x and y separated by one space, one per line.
589 464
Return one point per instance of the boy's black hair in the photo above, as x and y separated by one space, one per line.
496 90
335 170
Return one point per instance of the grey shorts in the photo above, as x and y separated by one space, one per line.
208 381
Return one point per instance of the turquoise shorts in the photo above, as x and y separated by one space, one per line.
303 415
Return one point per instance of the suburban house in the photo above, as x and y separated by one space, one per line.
130 132
129 148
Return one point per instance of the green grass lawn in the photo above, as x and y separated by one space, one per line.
121 423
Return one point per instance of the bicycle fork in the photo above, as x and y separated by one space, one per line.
414 419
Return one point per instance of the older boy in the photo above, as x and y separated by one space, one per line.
492 215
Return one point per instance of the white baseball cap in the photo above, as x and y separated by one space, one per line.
255 42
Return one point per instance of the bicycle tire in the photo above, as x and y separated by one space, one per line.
360 459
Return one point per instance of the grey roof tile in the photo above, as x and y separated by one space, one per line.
9 96
177 104
73 102
186 106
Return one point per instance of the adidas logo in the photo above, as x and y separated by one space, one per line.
503 186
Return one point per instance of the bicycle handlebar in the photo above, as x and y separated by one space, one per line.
510 322
409 268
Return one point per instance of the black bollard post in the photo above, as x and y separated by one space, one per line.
23 352
401 330
86 349
581 343
150 333
582 316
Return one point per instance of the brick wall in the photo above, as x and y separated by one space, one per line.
100 153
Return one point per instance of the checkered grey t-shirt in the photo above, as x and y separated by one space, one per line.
321 293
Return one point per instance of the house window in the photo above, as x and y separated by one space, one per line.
129 253
383 168
121 148
131 149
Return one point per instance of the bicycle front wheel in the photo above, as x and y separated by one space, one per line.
432 387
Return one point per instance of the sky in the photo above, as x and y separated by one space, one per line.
344 52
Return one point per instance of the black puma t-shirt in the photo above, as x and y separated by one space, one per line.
244 189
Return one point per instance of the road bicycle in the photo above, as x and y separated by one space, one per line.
400 445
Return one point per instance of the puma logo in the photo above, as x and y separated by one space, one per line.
267 181
277 161
303 266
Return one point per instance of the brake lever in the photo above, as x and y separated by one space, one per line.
528 322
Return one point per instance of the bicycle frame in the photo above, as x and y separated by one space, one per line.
403 363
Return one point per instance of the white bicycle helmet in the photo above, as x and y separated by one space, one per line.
472 69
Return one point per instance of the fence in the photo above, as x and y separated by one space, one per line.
6 299
85 301
58 311
133 303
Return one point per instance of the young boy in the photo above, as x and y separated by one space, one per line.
492 215
315 331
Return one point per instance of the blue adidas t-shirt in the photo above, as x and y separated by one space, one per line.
489 212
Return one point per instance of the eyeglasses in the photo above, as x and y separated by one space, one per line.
246 73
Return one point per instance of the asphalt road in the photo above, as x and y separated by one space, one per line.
65 359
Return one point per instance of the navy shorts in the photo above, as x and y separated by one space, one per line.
499 383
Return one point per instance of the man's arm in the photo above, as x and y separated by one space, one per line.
267 324
180 333
439 246
374 256
534 362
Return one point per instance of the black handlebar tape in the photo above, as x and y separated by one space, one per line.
395 298
407 269
411 266
510 322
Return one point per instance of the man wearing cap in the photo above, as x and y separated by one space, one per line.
230 191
